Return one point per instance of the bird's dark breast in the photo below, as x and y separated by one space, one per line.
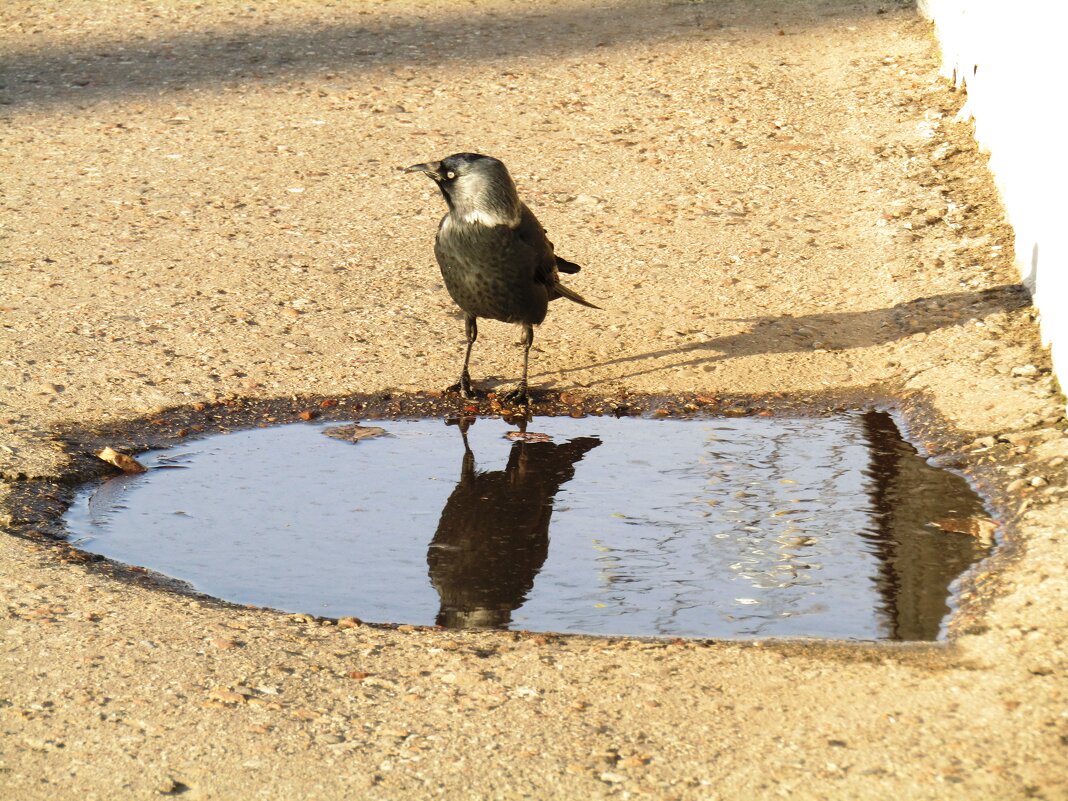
490 273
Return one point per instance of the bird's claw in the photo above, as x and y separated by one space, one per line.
463 388
518 396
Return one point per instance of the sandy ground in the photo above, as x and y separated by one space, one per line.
201 203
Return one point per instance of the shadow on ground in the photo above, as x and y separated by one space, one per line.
254 51
832 331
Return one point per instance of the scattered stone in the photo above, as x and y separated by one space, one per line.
1025 371
226 696
931 216
586 200
1030 437
349 622
167 786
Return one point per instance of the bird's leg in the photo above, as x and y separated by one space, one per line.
463 386
519 394
464 423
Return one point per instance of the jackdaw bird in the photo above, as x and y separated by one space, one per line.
493 253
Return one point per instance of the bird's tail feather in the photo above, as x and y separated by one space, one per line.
563 292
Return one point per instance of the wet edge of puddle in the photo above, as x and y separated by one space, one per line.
36 506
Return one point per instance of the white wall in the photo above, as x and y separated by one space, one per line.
1010 56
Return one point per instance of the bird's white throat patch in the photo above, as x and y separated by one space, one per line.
481 217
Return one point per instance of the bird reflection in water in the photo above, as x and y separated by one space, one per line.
493 535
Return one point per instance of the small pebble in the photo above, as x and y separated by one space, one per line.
167 786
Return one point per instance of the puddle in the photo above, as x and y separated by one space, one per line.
745 527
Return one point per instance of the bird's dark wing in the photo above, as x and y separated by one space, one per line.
549 264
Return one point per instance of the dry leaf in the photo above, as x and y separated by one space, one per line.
528 436
979 527
355 432
124 462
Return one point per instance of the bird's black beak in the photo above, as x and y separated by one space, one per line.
431 168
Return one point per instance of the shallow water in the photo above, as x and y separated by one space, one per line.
728 527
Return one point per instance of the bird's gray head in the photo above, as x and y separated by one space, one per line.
478 189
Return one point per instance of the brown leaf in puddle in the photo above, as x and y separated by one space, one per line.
123 461
528 436
355 432
979 527
307 414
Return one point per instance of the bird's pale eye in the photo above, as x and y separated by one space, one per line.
450 175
